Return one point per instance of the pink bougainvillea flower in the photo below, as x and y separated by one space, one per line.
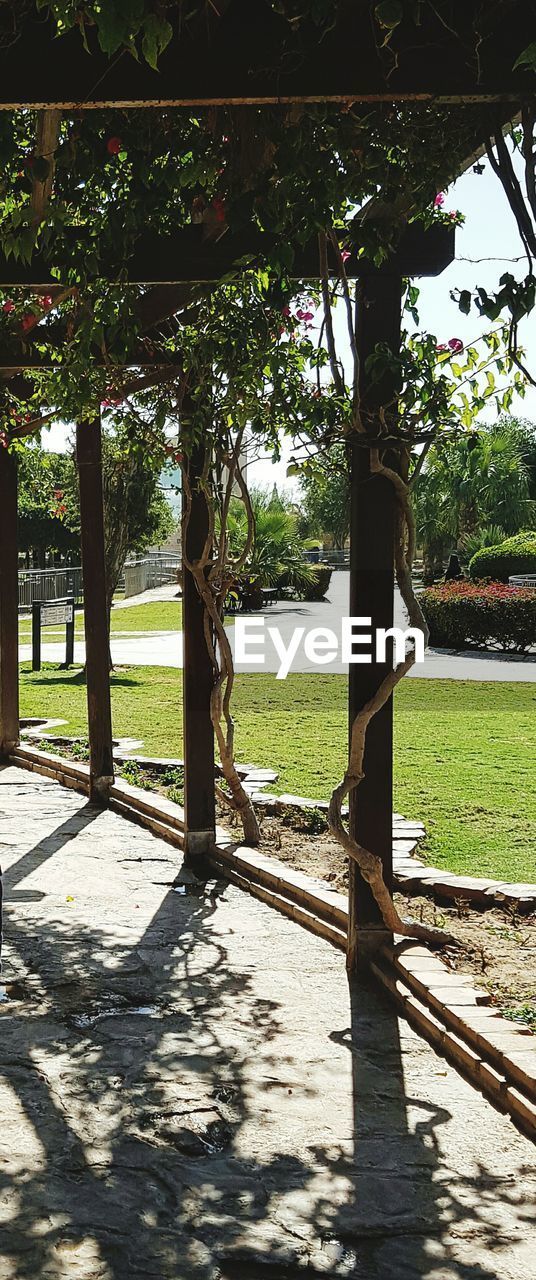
285 311
8 306
345 254
455 345
305 315
441 346
439 200
46 301
218 206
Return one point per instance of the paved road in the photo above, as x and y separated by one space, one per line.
164 649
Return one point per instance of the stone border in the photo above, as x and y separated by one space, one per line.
410 874
497 1056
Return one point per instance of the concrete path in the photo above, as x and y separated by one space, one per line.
188 1089
164 649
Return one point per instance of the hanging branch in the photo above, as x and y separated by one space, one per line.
338 380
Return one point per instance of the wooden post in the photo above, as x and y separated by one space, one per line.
89 461
9 605
372 596
197 681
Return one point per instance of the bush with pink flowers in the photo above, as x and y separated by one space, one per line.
464 615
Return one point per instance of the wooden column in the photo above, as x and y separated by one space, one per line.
9 605
372 595
89 461
197 681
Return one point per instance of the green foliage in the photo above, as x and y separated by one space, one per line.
477 479
319 587
515 555
325 485
461 615
276 558
48 516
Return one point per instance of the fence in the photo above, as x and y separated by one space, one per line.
153 571
48 584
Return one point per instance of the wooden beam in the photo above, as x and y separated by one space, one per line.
9 605
89 462
251 54
186 257
372 596
197 683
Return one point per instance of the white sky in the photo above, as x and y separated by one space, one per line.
489 232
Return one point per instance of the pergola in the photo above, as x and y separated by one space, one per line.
252 62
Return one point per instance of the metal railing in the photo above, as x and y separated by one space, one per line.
49 584
152 571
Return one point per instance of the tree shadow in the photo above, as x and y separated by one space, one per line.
166 1120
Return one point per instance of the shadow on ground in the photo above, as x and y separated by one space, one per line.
158 1122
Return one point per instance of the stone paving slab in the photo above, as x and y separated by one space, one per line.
187 1087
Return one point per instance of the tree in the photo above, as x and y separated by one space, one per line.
46 505
326 490
524 433
276 555
468 484
137 514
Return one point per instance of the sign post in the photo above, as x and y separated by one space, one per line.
52 613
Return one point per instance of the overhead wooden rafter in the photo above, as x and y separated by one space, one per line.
250 54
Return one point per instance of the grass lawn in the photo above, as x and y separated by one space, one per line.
464 764
160 615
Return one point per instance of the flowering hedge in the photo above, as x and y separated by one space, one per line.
465 614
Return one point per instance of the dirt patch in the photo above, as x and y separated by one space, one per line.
499 946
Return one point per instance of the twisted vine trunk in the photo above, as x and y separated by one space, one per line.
213 578
369 864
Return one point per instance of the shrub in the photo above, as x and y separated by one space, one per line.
464 614
318 588
514 555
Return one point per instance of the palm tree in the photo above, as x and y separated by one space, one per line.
479 480
276 558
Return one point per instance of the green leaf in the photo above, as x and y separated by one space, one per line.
157 33
527 59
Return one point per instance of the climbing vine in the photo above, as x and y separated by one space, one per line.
251 354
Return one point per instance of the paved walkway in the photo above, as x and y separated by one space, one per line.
164 649
187 1089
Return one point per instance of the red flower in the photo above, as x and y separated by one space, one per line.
455 345
113 146
8 306
46 301
439 200
28 322
218 206
345 254
441 346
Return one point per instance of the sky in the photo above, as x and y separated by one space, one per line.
485 247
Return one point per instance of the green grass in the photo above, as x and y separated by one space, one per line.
464 760
161 615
